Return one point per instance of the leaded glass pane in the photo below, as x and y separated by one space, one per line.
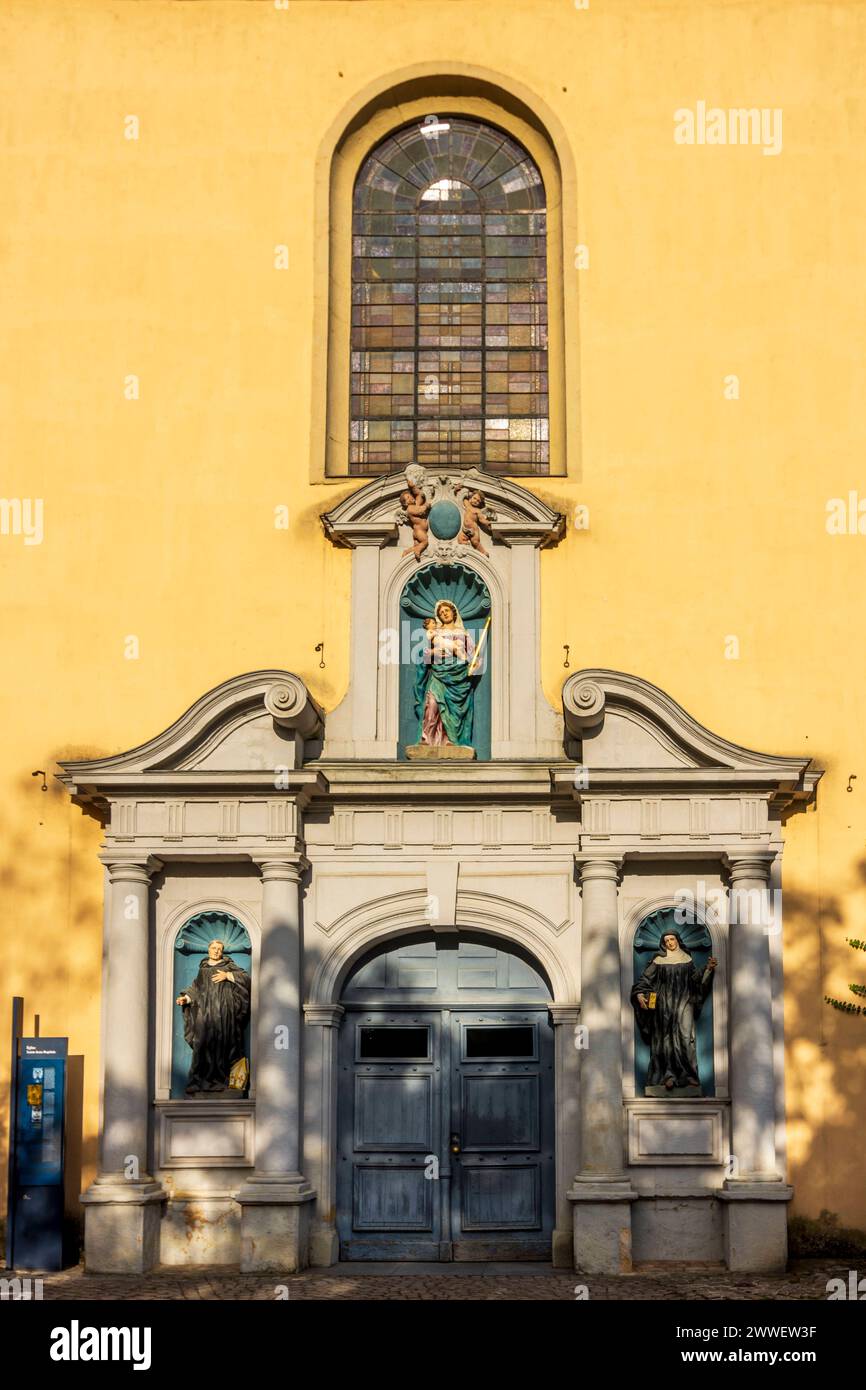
449 303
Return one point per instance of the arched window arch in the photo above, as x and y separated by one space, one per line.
449 335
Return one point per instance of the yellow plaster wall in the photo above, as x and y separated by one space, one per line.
155 257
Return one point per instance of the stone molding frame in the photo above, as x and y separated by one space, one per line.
209 1132
369 926
382 104
668 1123
213 735
599 705
366 723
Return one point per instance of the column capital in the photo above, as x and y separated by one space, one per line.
325 1015
561 1014
139 868
751 865
606 867
288 869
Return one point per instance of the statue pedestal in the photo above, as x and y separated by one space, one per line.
756 1224
449 751
275 1224
121 1225
602 1225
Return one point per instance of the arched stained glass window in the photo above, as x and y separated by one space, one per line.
449 303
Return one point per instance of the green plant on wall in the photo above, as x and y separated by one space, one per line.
845 1005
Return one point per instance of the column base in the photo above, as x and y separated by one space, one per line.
324 1246
562 1249
121 1225
276 1212
602 1225
756 1224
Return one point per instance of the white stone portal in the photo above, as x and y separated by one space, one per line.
323 844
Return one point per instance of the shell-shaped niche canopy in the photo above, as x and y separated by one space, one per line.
460 585
196 935
693 934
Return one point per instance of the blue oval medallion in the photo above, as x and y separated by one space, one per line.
445 520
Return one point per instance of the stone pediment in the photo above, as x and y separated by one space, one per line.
243 732
374 511
622 729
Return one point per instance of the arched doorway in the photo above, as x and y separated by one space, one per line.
445 1104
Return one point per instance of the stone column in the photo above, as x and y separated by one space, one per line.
602 1193
275 1201
565 1019
320 1110
122 1207
755 1195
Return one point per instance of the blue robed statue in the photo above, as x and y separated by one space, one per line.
443 663
445 680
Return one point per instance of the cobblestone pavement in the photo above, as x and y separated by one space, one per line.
804 1280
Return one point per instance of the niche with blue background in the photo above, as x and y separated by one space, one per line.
697 941
190 947
464 588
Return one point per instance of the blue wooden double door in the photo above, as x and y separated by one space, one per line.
446 1111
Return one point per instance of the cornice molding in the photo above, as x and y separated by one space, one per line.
168 761
591 696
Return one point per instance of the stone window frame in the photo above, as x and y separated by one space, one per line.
382 108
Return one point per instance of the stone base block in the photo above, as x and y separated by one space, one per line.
756 1226
121 1231
447 751
602 1227
275 1228
324 1246
678 1229
200 1231
562 1249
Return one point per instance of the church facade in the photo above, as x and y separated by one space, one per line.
442 945
483 902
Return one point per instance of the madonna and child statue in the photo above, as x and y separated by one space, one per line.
448 665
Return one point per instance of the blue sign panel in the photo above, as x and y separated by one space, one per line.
41 1096
37 1234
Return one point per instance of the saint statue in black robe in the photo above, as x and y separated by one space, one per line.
667 1001
216 1011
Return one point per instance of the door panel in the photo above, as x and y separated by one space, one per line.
390 1123
501 1197
394 1113
498 1113
392 1198
480 1083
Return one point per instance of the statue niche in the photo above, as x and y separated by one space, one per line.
444 668
212 968
672 1003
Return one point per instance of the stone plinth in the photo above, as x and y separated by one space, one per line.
447 751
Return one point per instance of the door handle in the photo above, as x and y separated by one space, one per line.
455 1143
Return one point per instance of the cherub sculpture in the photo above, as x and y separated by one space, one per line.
415 510
474 517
